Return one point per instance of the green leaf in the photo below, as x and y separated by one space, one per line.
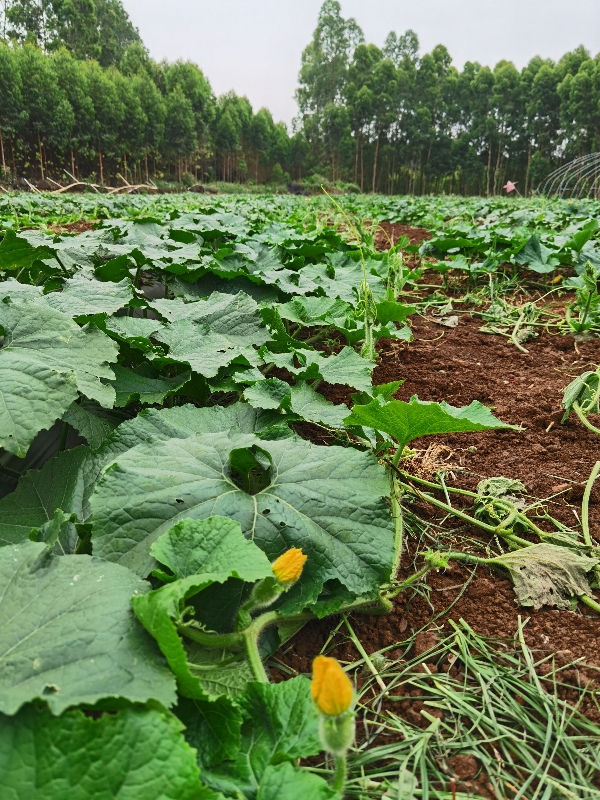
585 390
545 574
235 316
212 545
347 367
152 425
130 755
83 296
67 634
60 484
268 394
312 406
280 724
46 358
136 331
285 782
408 421
537 257
144 384
203 349
92 421
390 311
17 253
327 500
212 727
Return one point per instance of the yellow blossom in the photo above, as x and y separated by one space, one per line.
288 567
331 688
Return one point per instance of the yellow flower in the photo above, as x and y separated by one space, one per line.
288 567
331 688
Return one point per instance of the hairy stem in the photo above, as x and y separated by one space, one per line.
340 774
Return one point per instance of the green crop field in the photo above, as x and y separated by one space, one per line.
169 429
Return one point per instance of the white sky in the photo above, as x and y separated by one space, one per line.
254 46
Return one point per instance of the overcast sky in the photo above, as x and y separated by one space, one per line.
254 46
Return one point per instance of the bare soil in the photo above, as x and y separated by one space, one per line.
460 365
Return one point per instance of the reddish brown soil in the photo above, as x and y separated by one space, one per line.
81 226
389 233
460 365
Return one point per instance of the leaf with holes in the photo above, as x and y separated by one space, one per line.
330 501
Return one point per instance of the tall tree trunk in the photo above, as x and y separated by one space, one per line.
72 163
356 160
526 192
41 158
489 170
362 165
146 166
497 168
375 163
101 167
2 151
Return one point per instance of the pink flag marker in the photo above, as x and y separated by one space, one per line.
510 187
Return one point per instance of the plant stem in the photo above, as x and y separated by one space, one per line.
10 472
583 419
258 668
509 537
590 602
211 640
63 437
585 505
340 773
513 336
398 528
405 584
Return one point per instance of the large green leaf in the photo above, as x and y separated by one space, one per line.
17 253
62 483
68 635
83 296
133 755
46 358
327 500
545 574
235 316
408 421
280 723
205 350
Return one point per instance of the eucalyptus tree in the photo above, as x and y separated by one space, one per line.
11 107
324 69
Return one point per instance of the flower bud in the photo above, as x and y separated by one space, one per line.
337 733
331 688
288 567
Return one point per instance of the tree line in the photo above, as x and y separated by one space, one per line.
78 91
